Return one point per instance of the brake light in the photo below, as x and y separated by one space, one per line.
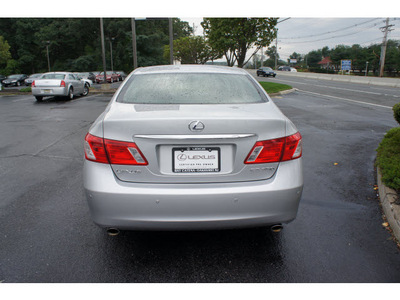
276 150
114 152
62 83
33 83
95 150
124 153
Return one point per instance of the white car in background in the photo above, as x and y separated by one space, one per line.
64 84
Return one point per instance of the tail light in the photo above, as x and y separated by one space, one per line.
33 83
62 83
276 150
113 152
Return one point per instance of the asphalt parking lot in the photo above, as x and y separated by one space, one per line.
47 234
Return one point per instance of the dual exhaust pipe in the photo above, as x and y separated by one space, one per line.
115 231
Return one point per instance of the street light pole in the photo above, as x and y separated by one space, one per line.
366 69
276 44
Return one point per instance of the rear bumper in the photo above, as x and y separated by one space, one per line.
49 91
133 206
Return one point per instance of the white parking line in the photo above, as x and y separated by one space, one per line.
345 99
343 89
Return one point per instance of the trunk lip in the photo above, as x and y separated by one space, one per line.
188 136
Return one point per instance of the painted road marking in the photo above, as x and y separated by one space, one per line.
345 99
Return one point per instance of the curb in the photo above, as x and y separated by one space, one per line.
282 93
388 198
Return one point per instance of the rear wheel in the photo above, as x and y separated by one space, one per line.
70 94
39 98
85 90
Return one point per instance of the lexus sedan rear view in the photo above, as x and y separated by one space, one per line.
192 147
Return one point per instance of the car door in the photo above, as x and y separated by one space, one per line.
76 83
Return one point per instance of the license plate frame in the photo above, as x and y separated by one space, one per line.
196 159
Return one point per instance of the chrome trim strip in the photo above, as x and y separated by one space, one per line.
192 137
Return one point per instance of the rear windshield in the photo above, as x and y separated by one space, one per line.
190 88
53 76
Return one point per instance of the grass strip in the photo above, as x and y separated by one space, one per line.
272 87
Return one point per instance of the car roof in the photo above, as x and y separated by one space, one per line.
58 73
190 69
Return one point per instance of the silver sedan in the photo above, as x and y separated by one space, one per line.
192 147
59 84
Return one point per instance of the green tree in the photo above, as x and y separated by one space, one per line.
192 50
271 53
296 56
235 36
313 58
5 54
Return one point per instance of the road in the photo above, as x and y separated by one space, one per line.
47 235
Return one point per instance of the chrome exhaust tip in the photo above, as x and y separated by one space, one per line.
276 228
112 231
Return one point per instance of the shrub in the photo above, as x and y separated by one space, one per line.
388 158
396 112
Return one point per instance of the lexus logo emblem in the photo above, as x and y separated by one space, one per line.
182 157
196 126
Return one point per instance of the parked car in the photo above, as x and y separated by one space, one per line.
28 81
59 84
88 75
15 80
284 68
293 70
266 71
121 75
111 77
84 77
192 147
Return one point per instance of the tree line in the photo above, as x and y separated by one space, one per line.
358 55
75 44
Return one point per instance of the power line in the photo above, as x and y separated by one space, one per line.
324 39
329 32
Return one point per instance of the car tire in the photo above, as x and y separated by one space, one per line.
70 94
39 98
85 90
274 76
264 75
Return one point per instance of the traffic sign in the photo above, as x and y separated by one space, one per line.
346 64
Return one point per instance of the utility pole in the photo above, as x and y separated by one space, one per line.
171 41
48 57
385 30
111 40
103 50
134 51
276 44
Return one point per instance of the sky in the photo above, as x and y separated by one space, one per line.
303 35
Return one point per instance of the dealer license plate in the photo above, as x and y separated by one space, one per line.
196 160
